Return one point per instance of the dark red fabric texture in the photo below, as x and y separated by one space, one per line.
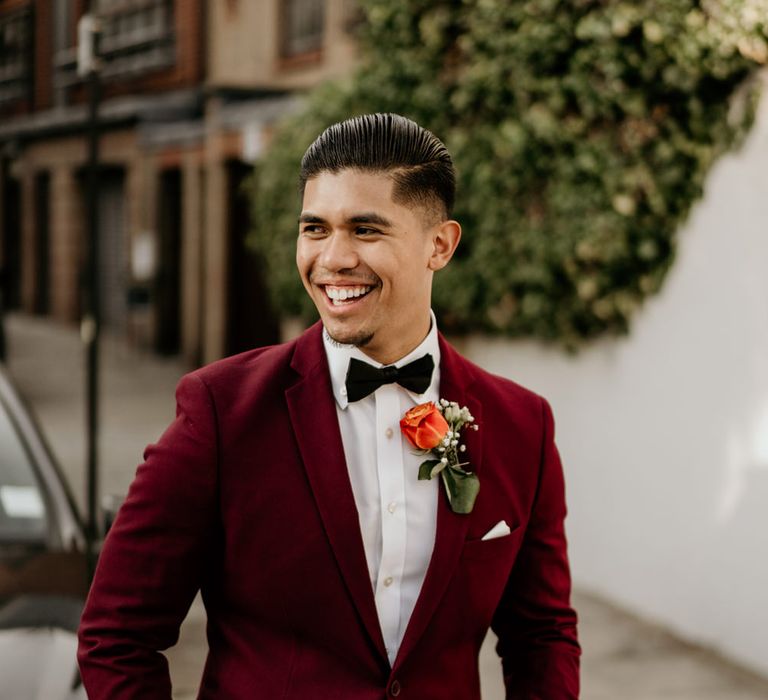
246 496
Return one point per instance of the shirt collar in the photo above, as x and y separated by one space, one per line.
339 356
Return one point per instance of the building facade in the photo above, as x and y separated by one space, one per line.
189 93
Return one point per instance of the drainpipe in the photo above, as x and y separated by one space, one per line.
90 325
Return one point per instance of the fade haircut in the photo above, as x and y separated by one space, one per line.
414 158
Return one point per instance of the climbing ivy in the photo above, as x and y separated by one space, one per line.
582 133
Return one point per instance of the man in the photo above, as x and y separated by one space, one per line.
285 492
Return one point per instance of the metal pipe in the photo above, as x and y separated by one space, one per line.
90 329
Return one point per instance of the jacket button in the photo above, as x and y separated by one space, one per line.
394 689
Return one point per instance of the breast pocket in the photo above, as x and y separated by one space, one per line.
482 575
502 548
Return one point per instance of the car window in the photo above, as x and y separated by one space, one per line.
22 507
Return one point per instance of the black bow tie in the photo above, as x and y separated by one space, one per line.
363 379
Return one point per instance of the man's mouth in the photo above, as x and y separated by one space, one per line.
340 296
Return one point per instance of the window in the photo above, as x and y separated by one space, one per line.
353 15
22 509
63 25
15 55
137 35
63 55
302 27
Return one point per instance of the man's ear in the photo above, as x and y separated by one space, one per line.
445 239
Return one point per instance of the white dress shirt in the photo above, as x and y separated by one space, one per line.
397 512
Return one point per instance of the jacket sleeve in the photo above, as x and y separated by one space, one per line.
534 622
152 562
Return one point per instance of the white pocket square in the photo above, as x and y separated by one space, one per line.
500 529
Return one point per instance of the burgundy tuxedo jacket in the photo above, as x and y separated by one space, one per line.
247 497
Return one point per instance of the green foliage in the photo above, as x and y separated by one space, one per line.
582 133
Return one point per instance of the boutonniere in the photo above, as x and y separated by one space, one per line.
436 429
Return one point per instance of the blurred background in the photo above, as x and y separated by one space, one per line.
615 155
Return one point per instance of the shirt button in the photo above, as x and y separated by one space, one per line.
394 689
389 432
388 581
343 391
392 507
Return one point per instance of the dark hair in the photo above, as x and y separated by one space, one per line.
413 157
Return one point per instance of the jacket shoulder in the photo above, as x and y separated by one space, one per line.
265 361
263 371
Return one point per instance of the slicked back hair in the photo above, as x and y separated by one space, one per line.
415 159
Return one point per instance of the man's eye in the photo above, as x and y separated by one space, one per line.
365 230
313 230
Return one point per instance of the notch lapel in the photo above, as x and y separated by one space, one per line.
451 527
313 414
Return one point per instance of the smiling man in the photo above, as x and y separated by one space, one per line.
332 562
367 260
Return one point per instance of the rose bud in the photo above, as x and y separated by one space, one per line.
424 426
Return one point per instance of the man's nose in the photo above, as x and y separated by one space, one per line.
338 252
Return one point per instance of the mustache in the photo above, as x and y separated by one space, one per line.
321 277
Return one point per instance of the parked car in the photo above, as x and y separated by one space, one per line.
43 564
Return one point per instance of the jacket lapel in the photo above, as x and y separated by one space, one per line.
451 527
313 415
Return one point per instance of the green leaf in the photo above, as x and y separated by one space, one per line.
461 489
449 481
425 469
595 127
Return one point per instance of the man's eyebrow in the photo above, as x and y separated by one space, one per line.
363 218
309 218
369 218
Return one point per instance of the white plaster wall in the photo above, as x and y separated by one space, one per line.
664 434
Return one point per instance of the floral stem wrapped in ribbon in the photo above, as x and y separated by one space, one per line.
436 429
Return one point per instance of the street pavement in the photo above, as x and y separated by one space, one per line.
624 658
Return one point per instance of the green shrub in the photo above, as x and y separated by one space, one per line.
582 133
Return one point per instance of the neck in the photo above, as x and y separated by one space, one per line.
390 353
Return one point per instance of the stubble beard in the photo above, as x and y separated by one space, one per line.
359 341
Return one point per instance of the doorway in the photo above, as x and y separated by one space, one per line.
168 280
251 320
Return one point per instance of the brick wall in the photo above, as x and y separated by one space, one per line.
66 225
21 105
188 70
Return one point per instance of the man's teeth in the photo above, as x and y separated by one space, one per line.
340 294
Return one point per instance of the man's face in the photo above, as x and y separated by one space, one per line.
367 262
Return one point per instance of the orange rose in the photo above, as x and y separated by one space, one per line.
424 426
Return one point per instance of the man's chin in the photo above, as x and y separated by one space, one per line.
357 338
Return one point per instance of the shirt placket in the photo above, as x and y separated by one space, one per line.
393 516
